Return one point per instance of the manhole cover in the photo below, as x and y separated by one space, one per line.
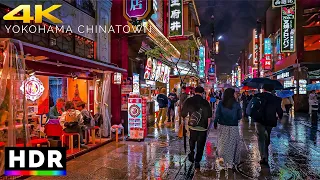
159 144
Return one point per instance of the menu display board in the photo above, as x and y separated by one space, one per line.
134 113
126 88
166 74
144 116
136 87
156 71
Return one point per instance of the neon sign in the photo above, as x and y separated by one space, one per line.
33 88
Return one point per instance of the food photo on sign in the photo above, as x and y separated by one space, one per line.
148 69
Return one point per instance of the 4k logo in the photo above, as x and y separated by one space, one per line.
38 15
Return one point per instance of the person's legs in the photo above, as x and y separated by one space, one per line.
169 114
260 130
192 144
201 142
267 141
159 116
287 106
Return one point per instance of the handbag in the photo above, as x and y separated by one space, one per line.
70 124
213 99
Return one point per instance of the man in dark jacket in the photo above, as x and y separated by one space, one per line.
162 100
198 134
272 108
245 100
173 98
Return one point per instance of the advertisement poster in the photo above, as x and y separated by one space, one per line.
288 28
279 3
148 69
136 86
154 70
126 89
134 113
158 72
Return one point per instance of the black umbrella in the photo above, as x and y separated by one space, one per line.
259 82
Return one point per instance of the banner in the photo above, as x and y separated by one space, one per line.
267 53
202 62
288 28
175 18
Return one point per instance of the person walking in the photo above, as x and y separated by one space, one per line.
245 101
265 115
182 99
212 98
228 115
173 98
162 100
198 133
286 105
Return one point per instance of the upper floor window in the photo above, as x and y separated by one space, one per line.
86 6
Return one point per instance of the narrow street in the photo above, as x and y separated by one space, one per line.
295 154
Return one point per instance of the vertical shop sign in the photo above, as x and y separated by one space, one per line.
136 85
134 113
288 28
137 9
202 63
267 53
239 77
256 47
144 116
279 3
175 18
255 72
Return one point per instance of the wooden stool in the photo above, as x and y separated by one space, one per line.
93 134
70 135
117 132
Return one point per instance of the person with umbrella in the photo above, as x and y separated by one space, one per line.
245 100
287 101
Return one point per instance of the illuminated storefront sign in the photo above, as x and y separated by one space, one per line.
279 3
176 18
202 62
288 28
217 47
256 47
267 53
33 88
239 77
283 75
134 114
250 71
255 72
137 9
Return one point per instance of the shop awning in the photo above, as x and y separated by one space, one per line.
69 60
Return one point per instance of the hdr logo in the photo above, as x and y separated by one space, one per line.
35 161
38 15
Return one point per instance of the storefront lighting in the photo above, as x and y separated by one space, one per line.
98 80
32 73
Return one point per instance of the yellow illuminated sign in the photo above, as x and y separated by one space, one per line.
38 15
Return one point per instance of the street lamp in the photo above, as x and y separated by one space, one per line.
220 37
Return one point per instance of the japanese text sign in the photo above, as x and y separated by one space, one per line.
279 3
201 62
175 18
267 46
288 25
139 9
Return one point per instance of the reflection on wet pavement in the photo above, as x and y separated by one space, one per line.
294 154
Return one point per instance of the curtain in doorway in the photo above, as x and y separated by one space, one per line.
104 106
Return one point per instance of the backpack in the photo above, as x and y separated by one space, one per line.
256 108
195 118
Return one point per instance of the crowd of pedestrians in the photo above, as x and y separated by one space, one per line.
224 109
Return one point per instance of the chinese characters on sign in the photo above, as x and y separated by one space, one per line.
201 62
176 18
279 3
267 53
256 54
137 9
288 35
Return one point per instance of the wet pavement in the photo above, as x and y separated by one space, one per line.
294 154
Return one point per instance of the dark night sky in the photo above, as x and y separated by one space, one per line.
234 20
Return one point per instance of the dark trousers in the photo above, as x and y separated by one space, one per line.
199 138
244 108
263 133
169 114
212 105
288 107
